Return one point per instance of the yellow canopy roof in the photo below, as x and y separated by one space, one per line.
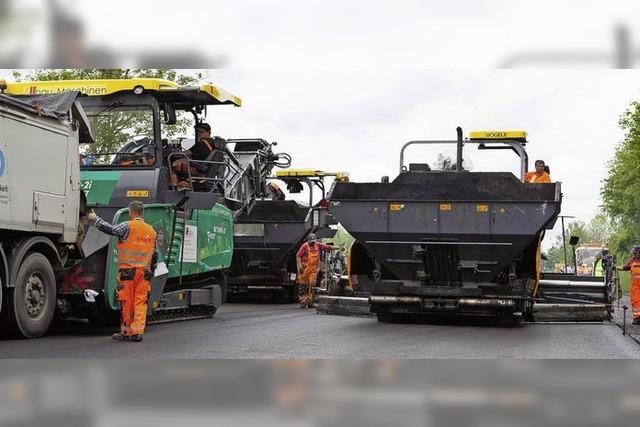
206 94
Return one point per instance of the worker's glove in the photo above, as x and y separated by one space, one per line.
148 274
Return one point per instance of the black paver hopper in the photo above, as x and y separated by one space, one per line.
448 240
269 233
265 238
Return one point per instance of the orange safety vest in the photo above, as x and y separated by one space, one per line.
137 250
532 178
635 269
310 267
313 259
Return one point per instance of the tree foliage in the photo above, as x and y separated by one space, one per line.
114 128
621 189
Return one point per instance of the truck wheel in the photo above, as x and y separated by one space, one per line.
31 304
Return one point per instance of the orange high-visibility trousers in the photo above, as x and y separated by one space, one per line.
133 296
635 295
307 279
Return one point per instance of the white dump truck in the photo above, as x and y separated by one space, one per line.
41 204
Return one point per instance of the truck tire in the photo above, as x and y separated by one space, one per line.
31 304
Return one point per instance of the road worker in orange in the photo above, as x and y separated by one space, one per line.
308 261
633 265
539 176
137 258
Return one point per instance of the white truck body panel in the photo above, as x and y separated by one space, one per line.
39 177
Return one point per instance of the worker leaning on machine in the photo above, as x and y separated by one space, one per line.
633 265
137 258
308 261
540 175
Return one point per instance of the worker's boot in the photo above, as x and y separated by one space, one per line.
311 305
119 337
303 305
636 320
135 338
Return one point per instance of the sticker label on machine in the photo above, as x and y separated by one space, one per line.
190 249
137 193
248 230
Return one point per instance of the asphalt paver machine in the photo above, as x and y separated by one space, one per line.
454 241
133 121
268 234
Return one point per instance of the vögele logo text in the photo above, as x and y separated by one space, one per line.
496 134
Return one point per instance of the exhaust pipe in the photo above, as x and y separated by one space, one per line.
460 144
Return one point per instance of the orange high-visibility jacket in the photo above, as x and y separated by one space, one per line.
634 266
138 249
532 178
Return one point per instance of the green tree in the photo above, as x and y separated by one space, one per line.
114 129
621 189
599 230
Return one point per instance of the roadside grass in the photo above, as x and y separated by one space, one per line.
625 281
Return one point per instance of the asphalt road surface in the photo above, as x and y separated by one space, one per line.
253 331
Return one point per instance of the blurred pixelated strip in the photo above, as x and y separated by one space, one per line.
404 34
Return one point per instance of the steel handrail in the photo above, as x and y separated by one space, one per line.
516 146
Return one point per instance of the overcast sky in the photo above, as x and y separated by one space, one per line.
357 121
341 85
331 34
348 34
